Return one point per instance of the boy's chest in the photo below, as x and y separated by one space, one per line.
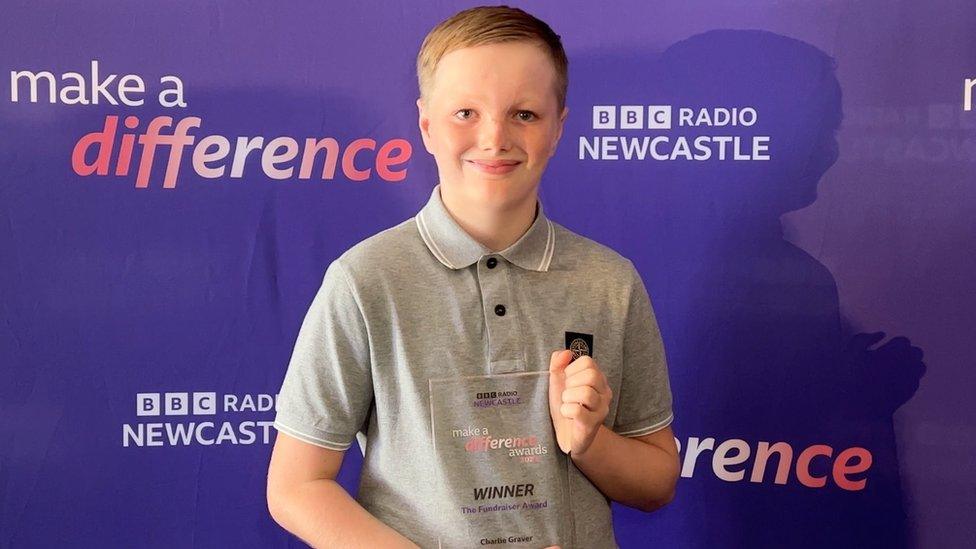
485 325
460 386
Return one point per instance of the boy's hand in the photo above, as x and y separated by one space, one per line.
579 400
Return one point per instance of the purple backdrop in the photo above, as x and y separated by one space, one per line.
793 180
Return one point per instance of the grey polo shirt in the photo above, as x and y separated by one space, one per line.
435 350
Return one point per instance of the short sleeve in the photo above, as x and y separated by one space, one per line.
327 391
644 404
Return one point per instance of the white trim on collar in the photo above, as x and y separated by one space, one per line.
550 247
429 240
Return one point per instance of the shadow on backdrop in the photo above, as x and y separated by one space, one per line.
756 344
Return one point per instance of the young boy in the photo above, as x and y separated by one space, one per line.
414 328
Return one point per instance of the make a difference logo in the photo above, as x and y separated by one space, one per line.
642 132
128 145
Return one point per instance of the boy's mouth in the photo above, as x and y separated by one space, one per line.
494 166
495 163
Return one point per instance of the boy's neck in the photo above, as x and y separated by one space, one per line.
496 230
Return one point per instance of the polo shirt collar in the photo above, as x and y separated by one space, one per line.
455 248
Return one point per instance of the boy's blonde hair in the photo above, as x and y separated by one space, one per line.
490 25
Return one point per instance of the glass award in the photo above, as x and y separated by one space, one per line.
503 479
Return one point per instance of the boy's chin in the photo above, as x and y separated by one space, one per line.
495 192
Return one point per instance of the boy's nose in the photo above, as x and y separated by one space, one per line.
494 135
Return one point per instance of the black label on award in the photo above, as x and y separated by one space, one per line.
580 344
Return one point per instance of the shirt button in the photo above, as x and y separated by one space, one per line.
491 262
500 310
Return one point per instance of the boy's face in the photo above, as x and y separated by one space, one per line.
492 122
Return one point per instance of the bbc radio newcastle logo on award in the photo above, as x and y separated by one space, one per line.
643 132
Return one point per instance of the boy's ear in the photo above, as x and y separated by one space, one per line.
424 122
559 131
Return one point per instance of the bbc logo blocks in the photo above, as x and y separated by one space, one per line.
632 117
176 404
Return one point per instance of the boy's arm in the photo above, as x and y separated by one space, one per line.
305 499
640 472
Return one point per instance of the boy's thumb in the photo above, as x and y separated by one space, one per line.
560 360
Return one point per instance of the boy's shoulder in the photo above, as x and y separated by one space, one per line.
574 251
389 248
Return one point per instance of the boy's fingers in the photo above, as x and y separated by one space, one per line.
585 395
581 364
571 410
589 378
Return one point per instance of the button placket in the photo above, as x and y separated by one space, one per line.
501 321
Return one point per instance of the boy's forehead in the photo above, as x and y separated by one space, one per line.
519 69
505 58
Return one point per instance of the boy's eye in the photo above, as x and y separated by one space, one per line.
524 116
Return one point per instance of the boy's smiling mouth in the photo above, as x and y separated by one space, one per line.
494 166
